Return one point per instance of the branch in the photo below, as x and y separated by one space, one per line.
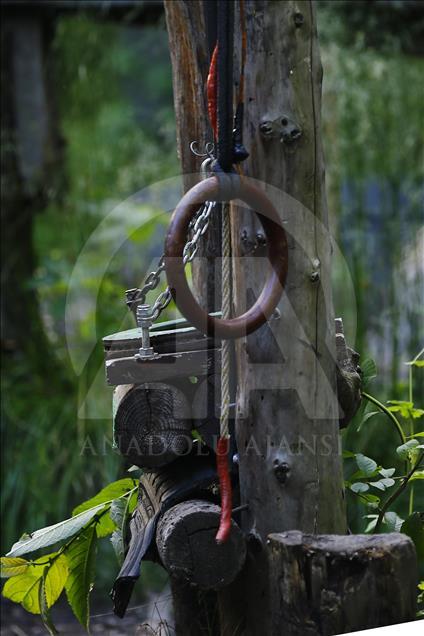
389 414
397 492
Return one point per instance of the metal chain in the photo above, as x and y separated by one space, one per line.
137 296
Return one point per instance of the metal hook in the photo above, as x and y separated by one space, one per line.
204 171
209 149
195 151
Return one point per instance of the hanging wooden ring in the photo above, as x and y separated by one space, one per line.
212 189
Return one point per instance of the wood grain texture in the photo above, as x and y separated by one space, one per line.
185 538
152 423
287 429
324 585
190 64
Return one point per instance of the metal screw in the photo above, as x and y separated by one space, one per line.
281 470
260 239
298 19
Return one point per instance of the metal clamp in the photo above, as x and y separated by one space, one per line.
145 320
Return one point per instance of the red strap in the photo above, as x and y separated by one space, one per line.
222 449
212 90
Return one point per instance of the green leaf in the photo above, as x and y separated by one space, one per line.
117 511
371 525
404 449
419 474
359 487
406 409
120 512
108 494
53 534
372 498
387 472
393 521
417 435
416 363
12 566
25 588
44 609
416 413
366 417
134 469
348 454
369 371
414 528
366 464
359 474
382 484
113 491
81 556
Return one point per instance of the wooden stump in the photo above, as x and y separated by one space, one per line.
333 584
152 423
185 539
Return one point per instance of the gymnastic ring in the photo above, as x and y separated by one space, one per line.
211 189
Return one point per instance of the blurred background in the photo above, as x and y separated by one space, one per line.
87 122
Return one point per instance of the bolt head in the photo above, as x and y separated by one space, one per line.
281 470
298 19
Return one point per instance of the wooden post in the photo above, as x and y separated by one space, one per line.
287 425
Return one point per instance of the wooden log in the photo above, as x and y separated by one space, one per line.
333 584
195 611
185 539
152 423
189 477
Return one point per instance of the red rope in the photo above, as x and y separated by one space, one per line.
224 529
212 90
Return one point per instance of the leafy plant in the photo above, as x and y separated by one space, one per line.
38 583
378 488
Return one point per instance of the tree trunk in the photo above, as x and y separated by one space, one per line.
287 426
324 585
190 63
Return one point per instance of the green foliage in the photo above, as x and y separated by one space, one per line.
109 495
81 557
53 534
113 91
49 571
390 26
372 122
11 566
120 512
413 526
38 584
420 612
382 511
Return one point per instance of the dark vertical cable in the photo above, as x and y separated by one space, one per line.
210 18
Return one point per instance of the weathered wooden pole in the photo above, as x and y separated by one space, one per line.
287 435
287 425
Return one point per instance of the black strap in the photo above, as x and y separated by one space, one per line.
225 15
